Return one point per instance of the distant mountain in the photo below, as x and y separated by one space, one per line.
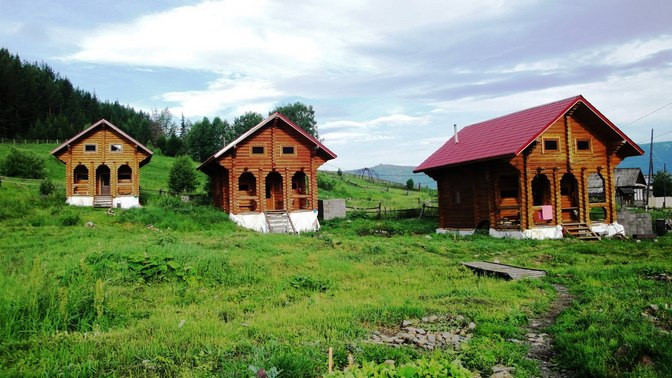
397 173
662 153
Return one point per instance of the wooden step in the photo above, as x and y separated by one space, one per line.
102 201
278 221
580 231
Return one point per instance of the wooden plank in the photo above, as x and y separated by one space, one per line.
503 270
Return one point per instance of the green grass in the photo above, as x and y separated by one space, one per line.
194 295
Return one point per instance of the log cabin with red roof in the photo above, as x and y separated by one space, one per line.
102 167
527 174
266 179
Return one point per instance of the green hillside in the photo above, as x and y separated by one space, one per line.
154 177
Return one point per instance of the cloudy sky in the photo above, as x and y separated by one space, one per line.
387 78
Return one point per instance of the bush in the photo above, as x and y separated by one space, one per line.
70 219
325 183
46 187
23 164
182 176
425 367
410 185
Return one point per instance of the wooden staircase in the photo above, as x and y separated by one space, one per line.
279 222
580 231
102 201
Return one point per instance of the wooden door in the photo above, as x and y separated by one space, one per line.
103 181
274 192
569 199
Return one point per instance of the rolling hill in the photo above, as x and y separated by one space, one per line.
397 173
662 154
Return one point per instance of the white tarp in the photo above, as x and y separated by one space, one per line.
80 201
252 221
126 202
455 231
536 233
303 221
608 229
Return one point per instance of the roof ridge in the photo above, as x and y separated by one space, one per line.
577 97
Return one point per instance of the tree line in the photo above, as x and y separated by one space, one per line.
37 103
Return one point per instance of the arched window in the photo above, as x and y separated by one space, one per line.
596 192
124 174
81 175
300 183
247 183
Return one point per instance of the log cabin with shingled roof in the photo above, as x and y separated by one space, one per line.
527 174
102 167
266 179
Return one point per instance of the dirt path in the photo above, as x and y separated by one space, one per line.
541 348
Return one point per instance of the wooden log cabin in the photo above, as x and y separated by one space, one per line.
266 179
527 174
102 167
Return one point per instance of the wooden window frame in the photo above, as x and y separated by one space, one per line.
121 148
95 145
282 150
252 147
543 145
586 151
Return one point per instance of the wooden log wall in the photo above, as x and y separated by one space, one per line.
103 138
286 152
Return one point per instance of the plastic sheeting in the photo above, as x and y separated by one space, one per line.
126 202
608 229
303 221
454 231
80 201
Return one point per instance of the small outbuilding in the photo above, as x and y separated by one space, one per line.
630 187
537 173
266 179
102 167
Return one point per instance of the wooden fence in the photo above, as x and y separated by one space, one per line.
381 211
29 141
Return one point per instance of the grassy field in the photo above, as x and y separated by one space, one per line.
177 289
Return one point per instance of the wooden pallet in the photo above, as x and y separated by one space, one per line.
509 272
580 231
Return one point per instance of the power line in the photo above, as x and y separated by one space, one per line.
647 114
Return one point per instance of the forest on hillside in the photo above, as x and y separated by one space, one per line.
38 103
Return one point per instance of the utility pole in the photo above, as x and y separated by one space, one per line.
648 184
665 186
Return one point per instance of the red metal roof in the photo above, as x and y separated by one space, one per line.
507 135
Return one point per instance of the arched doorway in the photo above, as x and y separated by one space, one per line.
103 180
569 198
274 195
541 199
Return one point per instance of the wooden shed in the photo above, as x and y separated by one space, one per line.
102 167
266 179
530 170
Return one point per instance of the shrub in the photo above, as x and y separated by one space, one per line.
309 283
325 183
23 164
423 367
46 187
182 177
70 219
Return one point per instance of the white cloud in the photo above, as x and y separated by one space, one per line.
224 94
